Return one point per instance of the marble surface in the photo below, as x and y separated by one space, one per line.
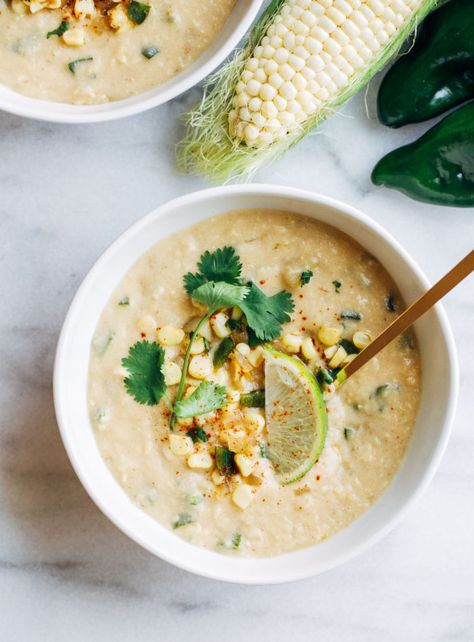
66 573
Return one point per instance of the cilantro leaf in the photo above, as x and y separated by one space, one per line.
146 381
208 396
197 434
220 294
221 265
306 277
266 314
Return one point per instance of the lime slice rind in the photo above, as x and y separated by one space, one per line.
295 414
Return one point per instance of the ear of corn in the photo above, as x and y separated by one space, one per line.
303 60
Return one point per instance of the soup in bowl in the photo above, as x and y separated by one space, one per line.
207 388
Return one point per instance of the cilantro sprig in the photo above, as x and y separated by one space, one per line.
217 284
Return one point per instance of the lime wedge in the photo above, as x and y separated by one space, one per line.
295 414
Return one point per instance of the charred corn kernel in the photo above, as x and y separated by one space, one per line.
236 313
217 478
200 367
292 342
118 18
76 38
256 356
338 357
200 461
36 6
19 7
198 346
181 444
236 440
242 496
84 9
329 336
361 340
54 4
244 464
170 336
330 352
254 421
308 350
243 349
172 373
218 324
145 325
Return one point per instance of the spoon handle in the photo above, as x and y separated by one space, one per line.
410 315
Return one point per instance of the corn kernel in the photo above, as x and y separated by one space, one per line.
256 356
118 18
84 9
308 350
200 461
218 324
172 373
244 464
361 339
200 367
243 349
198 346
329 336
242 496
217 478
181 444
292 342
338 357
253 420
76 38
170 336
236 440
19 7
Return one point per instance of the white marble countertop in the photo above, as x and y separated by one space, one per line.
66 573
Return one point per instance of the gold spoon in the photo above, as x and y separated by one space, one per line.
410 315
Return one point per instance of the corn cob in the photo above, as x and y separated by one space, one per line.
303 60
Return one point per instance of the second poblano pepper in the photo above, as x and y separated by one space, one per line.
437 73
437 168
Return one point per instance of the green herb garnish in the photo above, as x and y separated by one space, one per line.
254 399
146 380
221 265
386 388
234 324
352 315
348 346
306 277
337 285
63 27
124 301
150 52
236 541
266 314
138 12
207 397
183 520
72 66
225 463
197 434
262 446
348 433
223 351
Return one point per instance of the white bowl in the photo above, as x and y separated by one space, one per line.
234 30
439 394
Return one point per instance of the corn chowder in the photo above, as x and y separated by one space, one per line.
94 51
207 399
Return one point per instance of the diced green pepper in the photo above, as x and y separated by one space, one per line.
254 399
225 463
223 351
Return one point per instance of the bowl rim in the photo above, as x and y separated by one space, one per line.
13 102
271 191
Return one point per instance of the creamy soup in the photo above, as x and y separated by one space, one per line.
94 51
342 297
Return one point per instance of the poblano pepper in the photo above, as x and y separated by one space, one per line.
438 167
437 73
